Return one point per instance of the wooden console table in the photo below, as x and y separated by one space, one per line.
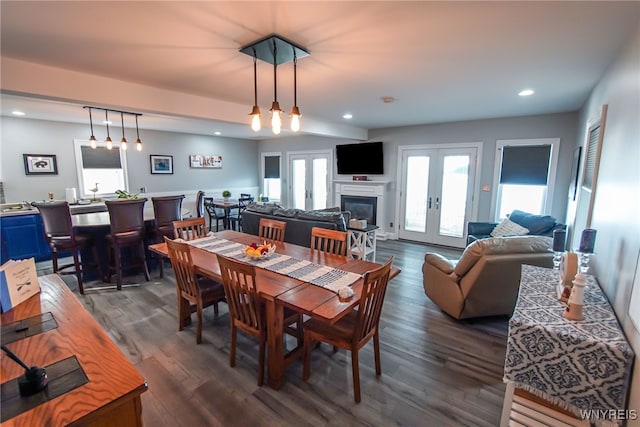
111 396
581 367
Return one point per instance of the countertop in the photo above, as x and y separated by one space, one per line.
6 209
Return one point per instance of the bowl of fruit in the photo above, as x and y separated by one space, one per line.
256 251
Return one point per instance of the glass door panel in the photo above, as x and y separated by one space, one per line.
309 180
319 183
417 192
453 202
298 183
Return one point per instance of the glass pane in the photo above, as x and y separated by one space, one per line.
272 189
415 218
528 198
298 183
319 184
453 204
106 180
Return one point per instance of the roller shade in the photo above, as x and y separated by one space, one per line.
272 166
100 158
525 164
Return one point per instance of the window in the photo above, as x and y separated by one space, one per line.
100 169
271 182
525 172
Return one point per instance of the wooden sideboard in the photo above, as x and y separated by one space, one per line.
111 395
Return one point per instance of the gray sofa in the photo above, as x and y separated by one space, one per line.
538 225
299 222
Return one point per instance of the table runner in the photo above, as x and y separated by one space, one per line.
320 275
578 365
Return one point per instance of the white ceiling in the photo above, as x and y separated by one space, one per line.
442 61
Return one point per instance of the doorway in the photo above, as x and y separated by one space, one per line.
309 174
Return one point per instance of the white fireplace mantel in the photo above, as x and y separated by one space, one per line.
375 189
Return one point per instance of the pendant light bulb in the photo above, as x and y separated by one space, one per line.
295 119
138 142
255 111
93 142
109 143
255 119
108 140
123 141
276 118
295 111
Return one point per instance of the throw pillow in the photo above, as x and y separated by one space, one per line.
537 224
508 228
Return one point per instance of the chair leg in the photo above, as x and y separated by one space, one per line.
261 351
54 260
355 368
161 266
76 263
376 352
181 312
116 251
199 324
144 261
232 345
110 255
215 309
300 331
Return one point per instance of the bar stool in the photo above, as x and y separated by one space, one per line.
60 236
166 210
127 230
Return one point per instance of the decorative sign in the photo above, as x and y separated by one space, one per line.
18 281
201 161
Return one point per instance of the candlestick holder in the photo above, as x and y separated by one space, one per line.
583 262
557 256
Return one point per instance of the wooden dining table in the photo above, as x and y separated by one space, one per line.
279 291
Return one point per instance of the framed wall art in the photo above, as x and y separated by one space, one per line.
40 164
203 161
161 164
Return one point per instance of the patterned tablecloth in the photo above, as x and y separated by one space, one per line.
577 365
307 271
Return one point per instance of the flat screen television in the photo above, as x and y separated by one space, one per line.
360 159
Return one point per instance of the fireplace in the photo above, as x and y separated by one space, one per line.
361 207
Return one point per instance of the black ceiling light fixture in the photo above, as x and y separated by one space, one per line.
275 50
108 141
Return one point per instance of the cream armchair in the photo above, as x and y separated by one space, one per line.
485 281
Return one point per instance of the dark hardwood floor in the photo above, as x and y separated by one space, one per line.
436 371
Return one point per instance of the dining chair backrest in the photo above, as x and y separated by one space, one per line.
239 280
331 241
126 216
272 229
371 299
200 204
166 210
183 268
56 220
189 229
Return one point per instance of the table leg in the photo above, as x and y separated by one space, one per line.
275 359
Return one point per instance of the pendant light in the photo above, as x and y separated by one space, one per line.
255 111
123 141
295 111
108 140
276 111
138 142
92 139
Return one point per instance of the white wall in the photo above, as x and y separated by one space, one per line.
20 136
561 125
616 213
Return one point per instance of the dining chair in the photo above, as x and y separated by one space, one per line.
61 237
331 241
200 204
272 229
189 229
354 330
236 219
194 292
215 214
126 219
247 309
166 209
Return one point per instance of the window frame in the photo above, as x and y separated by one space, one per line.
262 171
551 176
77 144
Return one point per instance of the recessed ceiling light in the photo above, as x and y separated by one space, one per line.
388 99
526 92
107 122
17 113
217 133
347 116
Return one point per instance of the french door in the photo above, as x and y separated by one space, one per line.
436 194
309 173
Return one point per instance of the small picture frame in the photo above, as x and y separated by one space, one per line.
161 164
40 164
205 161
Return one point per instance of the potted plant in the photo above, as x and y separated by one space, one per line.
226 194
